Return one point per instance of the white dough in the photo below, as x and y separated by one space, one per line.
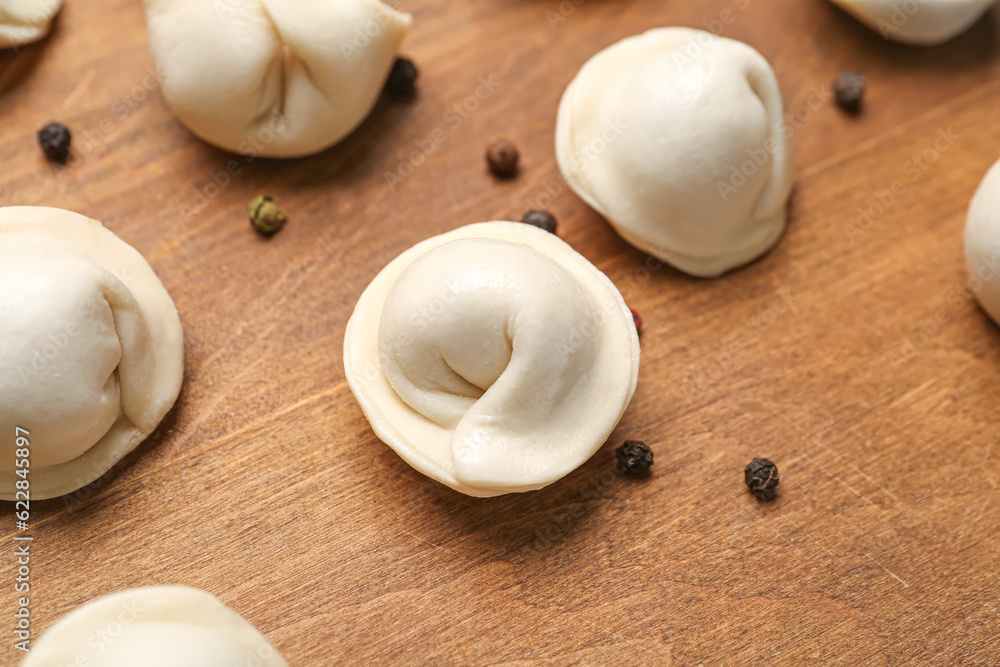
982 242
26 21
493 358
158 626
277 78
678 138
91 349
921 22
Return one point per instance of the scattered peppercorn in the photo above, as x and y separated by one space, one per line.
402 80
266 216
761 477
541 219
637 318
55 140
634 457
848 90
502 157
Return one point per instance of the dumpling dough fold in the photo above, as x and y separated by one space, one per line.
492 358
678 138
277 78
91 349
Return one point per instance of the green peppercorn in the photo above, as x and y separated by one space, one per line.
266 216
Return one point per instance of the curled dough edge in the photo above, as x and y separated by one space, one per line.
150 370
522 401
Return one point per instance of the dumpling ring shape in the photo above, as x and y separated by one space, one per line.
91 350
492 358
679 139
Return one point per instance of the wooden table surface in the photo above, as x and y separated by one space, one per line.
877 392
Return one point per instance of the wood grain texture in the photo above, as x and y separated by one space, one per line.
876 392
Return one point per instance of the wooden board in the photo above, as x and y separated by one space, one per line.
876 394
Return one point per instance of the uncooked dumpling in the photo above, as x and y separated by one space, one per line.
277 78
91 349
921 22
26 21
492 358
982 243
678 138
158 626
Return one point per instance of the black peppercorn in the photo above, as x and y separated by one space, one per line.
265 215
634 457
761 477
502 157
637 318
541 219
55 140
402 80
848 90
